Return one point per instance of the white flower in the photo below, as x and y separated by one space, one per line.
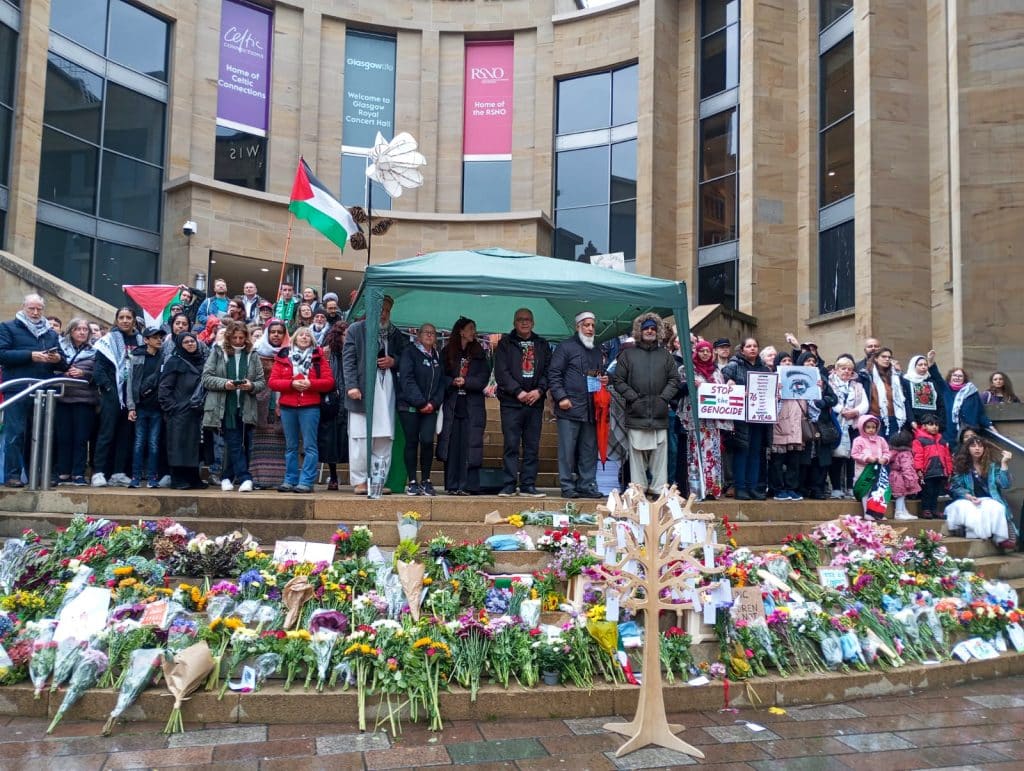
176 529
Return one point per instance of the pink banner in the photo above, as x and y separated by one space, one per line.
487 126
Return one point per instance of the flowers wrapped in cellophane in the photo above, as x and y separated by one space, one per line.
90 665
143 664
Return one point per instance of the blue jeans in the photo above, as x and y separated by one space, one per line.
236 450
577 456
747 463
300 423
148 424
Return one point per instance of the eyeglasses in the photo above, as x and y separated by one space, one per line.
522 319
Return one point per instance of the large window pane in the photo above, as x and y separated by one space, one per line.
74 99
8 57
584 103
622 236
837 82
130 192
718 145
624 95
64 254
837 162
5 144
240 159
715 14
117 265
836 268
84 21
138 40
718 211
579 233
623 184
720 62
716 284
582 177
134 124
67 172
832 10
486 186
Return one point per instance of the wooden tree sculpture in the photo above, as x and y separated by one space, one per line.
653 572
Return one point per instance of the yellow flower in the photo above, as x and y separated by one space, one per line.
125 570
298 634
596 613
427 580
516 520
533 594
216 623
233 623
423 641
362 574
414 515
455 584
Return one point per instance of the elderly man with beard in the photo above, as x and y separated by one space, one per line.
647 377
575 373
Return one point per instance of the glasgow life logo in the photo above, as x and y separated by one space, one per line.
487 74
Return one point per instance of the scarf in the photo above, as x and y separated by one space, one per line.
301 360
844 390
962 392
37 328
196 358
319 335
705 368
72 354
114 346
266 350
429 352
911 373
898 409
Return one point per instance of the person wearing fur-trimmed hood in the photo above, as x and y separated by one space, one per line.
648 379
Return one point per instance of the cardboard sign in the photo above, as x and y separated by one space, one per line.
721 402
84 616
761 404
303 551
155 614
747 604
800 383
833 578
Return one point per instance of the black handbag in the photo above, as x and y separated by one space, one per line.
330 402
828 431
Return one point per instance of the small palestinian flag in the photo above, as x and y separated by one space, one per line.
708 399
155 300
311 202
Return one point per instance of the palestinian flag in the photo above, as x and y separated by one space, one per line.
311 202
708 399
155 300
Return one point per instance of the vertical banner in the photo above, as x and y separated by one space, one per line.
487 108
243 77
369 89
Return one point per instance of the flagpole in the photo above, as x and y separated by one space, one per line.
369 222
284 260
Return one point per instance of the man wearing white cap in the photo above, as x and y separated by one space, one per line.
575 373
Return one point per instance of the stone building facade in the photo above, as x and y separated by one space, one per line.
835 168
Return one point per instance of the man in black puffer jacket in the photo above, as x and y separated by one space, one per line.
647 377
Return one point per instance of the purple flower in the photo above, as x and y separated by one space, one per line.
329 620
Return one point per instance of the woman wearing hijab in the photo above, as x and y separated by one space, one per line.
76 409
332 436
962 404
921 390
709 468
266 462
300 375
112 456
182 399
461 444
886 398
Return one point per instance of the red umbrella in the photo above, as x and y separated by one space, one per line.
602 408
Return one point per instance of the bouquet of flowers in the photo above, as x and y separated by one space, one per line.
69 650
90 665
433 658
352 543
143 664
185 672
470 656
675 654
40 665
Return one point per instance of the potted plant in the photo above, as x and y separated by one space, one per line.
550 652
408 525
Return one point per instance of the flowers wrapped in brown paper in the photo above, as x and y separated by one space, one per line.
295 594
410 575
184 673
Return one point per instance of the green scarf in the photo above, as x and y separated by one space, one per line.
237 368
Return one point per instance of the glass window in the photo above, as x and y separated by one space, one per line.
623 171
584 103
580 233
836 277
67 172
5 144
582 177
624 95
84 21
837 162
74 99
719 136
486 186
837 82
116 265
64 254
131 192
716 284
832 10
622 236
720 61
3 225
8 58
354 184
717 13
718 211
134 124
138 40
240 158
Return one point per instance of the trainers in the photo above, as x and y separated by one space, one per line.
782 495
837 494
120 480
284 487
904 515
742 495
412 488
165 481
246 486
531 492
79 481
99 480
757 495
134 483
795 496
427 489
507 492
302 489
226 485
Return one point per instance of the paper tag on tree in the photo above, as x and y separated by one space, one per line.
611 606
675 509
643 511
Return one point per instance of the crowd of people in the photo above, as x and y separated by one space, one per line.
261 393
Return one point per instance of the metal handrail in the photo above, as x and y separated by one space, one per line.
36 384
1005 439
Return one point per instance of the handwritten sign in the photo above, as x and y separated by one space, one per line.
762 388
833 578
747 604
155 614
721 402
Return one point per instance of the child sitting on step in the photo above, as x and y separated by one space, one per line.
903 479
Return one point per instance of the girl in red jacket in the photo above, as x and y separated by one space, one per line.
300 375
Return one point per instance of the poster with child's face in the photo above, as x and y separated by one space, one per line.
923 396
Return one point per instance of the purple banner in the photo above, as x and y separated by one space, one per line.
243 79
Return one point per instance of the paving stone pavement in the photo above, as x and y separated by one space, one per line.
978 725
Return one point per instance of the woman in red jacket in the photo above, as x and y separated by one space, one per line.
300 375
